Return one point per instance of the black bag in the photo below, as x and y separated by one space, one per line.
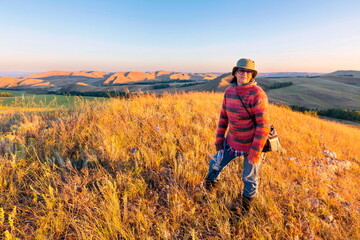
272 142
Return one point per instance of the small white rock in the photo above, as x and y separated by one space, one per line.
329 154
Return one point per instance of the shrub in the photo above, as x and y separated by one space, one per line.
351 115
6 94
280 85
160 86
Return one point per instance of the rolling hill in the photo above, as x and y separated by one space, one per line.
55 80
321 92
346 73
340 89
8 82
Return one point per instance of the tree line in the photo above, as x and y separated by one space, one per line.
280 85
351 115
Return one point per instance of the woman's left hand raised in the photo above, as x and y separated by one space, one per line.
251 162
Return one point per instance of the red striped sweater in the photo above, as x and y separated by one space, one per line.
243 134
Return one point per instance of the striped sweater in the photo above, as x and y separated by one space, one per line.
243 134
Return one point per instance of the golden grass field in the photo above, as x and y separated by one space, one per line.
133 169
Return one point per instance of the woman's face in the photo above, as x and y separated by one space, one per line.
243 76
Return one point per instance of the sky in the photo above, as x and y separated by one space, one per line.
179 35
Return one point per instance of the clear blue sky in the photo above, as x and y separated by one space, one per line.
186 35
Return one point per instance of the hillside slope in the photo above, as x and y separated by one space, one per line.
133 169
348 73
321 92
219 84
8 82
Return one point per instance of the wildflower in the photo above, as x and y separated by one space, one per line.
133 150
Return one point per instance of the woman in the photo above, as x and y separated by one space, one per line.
248 127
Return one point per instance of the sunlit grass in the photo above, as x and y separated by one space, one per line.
133 169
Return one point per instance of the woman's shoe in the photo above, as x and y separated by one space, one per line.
210 185
246 205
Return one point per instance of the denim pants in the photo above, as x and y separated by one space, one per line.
250 174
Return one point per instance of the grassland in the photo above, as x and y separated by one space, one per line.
321 92
133 169
23 101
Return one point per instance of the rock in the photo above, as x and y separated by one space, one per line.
346 204
328 218
329 154
339 165
346 165
332 168
315 203
333 195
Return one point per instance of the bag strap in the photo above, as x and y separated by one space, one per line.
246 109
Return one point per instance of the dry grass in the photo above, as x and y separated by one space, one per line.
133 169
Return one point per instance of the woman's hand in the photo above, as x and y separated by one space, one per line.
251 162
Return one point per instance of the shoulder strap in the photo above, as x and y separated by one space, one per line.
252 118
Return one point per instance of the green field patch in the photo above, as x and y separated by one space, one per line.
23 99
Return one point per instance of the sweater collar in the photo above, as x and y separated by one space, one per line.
249 84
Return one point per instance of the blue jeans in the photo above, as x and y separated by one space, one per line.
250 174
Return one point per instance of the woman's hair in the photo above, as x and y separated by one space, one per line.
233 80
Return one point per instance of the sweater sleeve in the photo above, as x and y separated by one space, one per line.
260 110
222 126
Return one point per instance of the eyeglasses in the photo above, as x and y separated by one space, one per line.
243 71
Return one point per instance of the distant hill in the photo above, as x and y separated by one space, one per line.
57 80
282 74
345 73
78 87
343 79
340 89
8 82
48 74
322 92
289 74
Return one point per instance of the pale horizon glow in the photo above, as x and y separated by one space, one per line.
182 36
